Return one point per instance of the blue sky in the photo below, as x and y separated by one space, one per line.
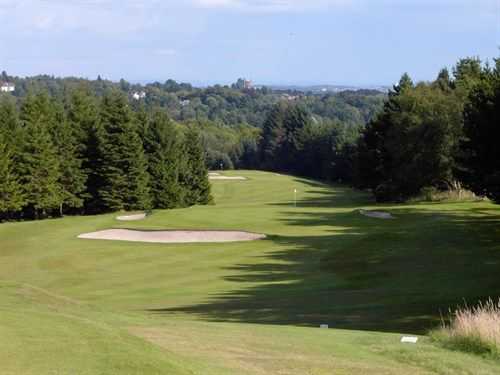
356 42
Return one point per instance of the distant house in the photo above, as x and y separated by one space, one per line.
7 87
184 102
290 97
139 95
247 84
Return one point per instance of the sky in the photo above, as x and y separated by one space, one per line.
345 42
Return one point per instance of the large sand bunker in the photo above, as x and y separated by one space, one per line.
377 214
215 177
131 217
172 236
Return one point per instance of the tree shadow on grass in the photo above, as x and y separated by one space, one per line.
365 273
325 195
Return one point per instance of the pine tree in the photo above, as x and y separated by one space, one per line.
481 154
9 122
83 120
123 164
11 192
72 176
138 195
39 160
162 147
273 136
194 174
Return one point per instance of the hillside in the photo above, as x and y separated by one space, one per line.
102 307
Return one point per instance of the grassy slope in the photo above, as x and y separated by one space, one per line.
110 307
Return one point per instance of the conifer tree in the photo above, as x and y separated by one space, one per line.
9 122
39 159
163 150
273 136
11 192
123 164
11 128
72 175
138 192
481 154
83 120
194 174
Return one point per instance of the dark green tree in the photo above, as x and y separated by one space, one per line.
162 148
83 119
73 177
40 169
193 170
11 192
481 154
273 136
123 164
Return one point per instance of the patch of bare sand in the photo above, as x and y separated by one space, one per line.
133 217
172 236
212 177
377 214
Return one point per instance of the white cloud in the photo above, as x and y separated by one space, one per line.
271 5
165 52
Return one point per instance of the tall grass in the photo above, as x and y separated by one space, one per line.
472 329
431 194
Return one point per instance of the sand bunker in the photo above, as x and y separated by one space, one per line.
172 236
213 174
131 217
212 177
377 214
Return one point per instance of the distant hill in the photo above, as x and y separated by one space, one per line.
238 104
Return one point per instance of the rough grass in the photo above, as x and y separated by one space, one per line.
77 306
473 329
455 195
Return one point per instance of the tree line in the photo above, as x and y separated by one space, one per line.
90 152
431 135
94 155
437 135
230 106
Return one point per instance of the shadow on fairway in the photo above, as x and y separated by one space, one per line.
369 274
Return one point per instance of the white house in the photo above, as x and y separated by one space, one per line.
7 87
139 95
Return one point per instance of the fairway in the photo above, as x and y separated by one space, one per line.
76 306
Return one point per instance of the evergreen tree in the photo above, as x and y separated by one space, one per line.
481 154
273 136
123 164
39 159
444 81
193 173
83 120
72 176
9 121
296 120
10 127
162 148
11 192
281 139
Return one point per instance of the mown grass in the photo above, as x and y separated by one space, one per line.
85 306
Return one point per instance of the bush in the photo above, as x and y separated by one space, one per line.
387 192
475 330
433 194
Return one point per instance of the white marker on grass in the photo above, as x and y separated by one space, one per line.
409 339
295 197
